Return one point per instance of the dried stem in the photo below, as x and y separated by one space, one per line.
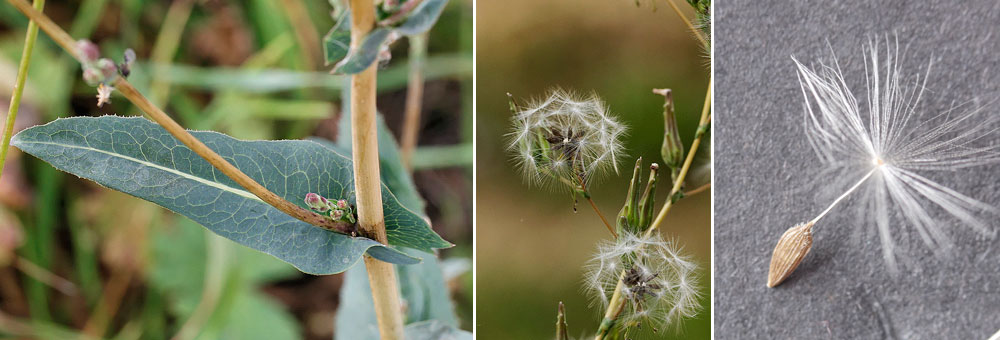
599 214
698 190
305 32
617 304
45 276
165 47
22 76
687 22
106 309
67 43
364 149
414 96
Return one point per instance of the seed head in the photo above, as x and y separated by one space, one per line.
660 284
565 137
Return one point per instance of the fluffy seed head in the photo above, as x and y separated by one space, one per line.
565 137
660 284
893 135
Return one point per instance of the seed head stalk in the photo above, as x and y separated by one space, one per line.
364 149
617 304
22 76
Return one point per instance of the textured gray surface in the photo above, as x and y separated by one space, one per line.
766 180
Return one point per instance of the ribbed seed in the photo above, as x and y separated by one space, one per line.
791 249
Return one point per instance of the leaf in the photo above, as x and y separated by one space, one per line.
358 59
138 157
337 42
422 17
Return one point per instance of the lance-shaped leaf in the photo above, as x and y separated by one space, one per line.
422 17
358 59
138 157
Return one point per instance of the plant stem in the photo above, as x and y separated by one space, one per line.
687 22
617 304
165 47
22 76
844 195
305 32
414 98
364 149
599 214
698 190
67 43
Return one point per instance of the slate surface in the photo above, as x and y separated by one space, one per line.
766 175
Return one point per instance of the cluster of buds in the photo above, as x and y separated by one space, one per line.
339 211
102 72
637 213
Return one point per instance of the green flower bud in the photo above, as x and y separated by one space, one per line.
626 217
648 200
673 149
562 329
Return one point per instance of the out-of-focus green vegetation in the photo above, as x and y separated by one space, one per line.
110 265
531 247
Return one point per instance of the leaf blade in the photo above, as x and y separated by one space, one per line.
138 157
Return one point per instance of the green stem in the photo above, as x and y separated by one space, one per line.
22 76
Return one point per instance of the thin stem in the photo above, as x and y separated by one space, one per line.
687 22
599 214
414 98
165 47
698 190
364 149
844 195
305 32
106 309
22 76
583 188
157 115
617 304
45 276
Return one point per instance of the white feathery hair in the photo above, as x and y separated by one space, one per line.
660 260
597 141
896 140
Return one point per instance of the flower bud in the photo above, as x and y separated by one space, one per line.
108 70
342 204
87 51
626 217
673 149
317 202
125 68
562 329
648 200
337 214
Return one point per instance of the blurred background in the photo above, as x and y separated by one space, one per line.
79 259
531 247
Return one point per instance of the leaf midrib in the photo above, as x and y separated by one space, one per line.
218 185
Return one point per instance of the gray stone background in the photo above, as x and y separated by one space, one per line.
767 178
